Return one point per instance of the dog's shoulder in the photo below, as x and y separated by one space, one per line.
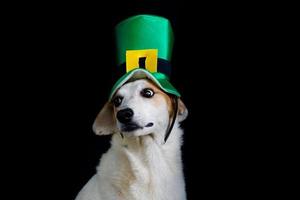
90 190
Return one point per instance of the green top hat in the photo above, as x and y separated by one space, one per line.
144 48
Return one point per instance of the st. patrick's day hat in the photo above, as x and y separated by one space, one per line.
144 47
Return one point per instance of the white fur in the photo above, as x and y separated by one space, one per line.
139 166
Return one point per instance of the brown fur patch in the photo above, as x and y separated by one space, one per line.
160 96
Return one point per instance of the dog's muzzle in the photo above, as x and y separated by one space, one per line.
125 118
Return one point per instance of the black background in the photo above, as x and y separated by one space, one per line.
64 70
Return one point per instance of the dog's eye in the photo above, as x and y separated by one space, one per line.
147 92
117 101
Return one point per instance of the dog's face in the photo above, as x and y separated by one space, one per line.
138 108
141 108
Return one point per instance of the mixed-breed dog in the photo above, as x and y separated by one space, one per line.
143 116
139 164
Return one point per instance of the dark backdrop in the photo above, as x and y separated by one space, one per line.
66 56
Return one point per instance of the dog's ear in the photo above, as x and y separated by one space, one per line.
182 111
105 123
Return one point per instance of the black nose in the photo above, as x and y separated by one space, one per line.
125 115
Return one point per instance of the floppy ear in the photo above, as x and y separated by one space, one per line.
182 111
104 123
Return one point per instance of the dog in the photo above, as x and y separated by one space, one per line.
140 164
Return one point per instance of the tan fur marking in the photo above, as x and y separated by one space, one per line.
160 96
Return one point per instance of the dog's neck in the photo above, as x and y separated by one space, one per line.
148 165
150 149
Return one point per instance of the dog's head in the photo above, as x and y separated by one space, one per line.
138 108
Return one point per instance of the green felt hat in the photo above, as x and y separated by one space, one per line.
144 46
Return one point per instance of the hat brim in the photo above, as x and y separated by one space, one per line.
159 79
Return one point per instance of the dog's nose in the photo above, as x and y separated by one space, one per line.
125 115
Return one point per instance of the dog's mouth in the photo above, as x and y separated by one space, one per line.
129 127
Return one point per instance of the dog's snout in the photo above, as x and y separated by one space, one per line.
125 115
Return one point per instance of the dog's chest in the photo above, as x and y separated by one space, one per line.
141 173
